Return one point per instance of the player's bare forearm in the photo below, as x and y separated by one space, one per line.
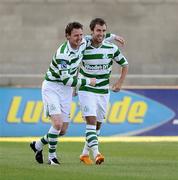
124 72
118 85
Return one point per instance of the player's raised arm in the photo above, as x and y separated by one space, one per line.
113 37
110 37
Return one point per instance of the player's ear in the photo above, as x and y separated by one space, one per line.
92 32
67 36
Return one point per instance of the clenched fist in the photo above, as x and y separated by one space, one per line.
92 81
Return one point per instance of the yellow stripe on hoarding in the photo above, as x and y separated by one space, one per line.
101 139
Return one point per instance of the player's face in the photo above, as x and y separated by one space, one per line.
99 33
75 38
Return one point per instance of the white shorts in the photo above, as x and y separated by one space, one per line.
57 99
93 104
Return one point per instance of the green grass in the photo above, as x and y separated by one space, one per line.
135 161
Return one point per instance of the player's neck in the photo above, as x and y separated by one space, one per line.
74 47
95 44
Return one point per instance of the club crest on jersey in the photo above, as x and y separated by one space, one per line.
105 56
86 109
52 107
63 64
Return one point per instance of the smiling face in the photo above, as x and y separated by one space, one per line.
98 33
75 38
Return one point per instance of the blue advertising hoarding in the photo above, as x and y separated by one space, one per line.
140 112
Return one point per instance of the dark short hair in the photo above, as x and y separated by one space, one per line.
71 26
96 21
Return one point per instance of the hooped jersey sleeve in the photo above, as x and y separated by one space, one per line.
64 67
119 57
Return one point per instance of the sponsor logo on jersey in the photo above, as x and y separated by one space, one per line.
97 67
65 73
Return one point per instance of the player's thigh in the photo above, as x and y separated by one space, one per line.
51 99
88 104
66 100
102 107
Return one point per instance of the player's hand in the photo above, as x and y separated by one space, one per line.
120 40
117 86
92 81
74 93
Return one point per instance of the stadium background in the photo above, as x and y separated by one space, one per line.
31 31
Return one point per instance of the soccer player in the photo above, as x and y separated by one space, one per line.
97 63
57 89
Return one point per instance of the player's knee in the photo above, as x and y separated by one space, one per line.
98 125
91 120
64 128
57 122
58 125
62 133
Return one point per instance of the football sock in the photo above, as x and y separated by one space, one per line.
92 139
41 142
98 132
52 140
86 149
44 139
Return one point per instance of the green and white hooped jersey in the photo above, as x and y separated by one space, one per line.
64 65
97 63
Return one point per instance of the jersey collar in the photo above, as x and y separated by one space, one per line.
71 50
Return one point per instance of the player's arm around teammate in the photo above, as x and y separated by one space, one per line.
57 89
97 62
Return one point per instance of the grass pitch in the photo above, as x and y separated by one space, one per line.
124 161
